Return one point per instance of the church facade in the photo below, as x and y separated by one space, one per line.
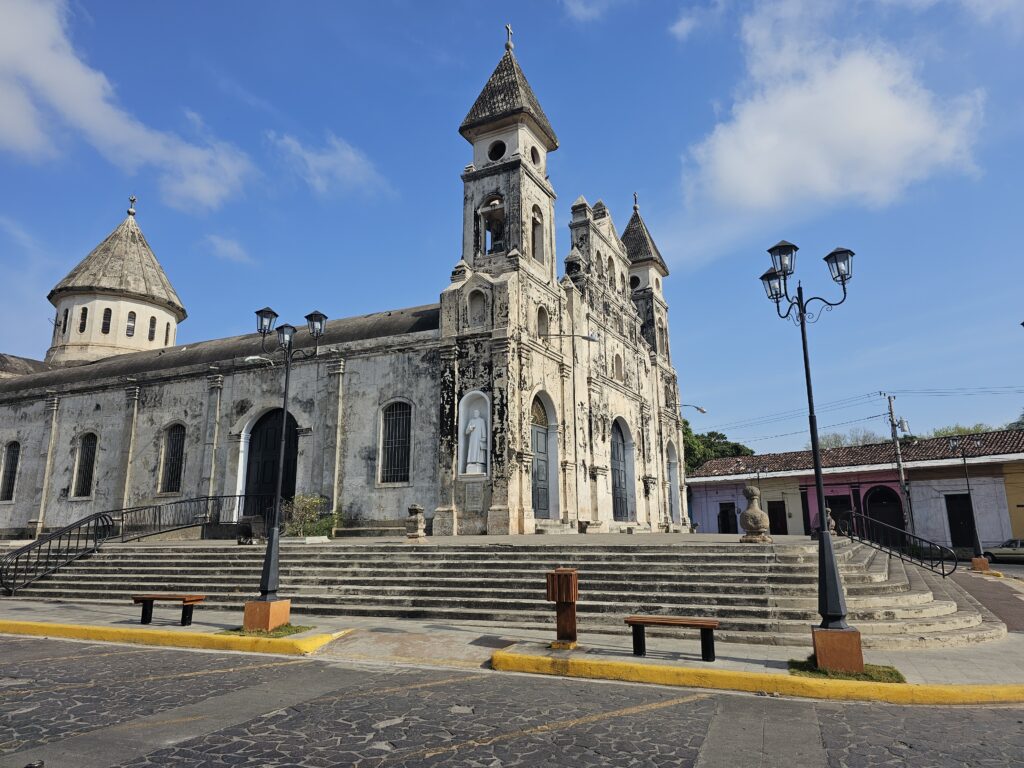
525 400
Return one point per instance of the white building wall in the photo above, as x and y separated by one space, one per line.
988 496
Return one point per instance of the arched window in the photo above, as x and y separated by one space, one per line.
477 308
174 459
105 327
542 323
492 216
83 319
662 338
64 325
86 465
395 442
167 335
537 235
10 470
617 368
129 330
152 329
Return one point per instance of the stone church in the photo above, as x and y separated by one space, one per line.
523 401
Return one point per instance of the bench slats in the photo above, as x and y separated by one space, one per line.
169 598
671 621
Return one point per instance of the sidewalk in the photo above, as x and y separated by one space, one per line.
373 640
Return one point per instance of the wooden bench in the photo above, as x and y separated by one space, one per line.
707 629
188 602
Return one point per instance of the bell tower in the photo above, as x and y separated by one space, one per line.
509 202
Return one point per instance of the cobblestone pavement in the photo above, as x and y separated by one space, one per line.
82 705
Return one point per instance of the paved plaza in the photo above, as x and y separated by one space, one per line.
82 704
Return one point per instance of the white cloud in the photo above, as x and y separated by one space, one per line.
227 249
824 121
683 26
41 72
588 10
338 165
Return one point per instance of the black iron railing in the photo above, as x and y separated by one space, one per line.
898 543
137 522
23 566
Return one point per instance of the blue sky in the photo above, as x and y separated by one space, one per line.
307 156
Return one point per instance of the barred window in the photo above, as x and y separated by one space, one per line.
174 459
86 465
83 319
152 328
129 330
105 328
395 443
10 471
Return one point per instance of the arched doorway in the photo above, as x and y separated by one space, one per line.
623 503
883 504
261 466
544 445
672 458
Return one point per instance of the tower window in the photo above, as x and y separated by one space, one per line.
535 156
492 217
395 442
634 282
129 330
10 470
537 234
477 308
617 368
64 325
152 329
167 335
496 151
86 465
542 323
174 459
105 327
83 319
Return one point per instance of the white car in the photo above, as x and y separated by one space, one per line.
1010 551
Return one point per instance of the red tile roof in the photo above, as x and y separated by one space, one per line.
1000 442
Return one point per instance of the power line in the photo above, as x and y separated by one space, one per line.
845 402
804 431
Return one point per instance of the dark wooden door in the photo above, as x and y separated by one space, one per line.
541 495
727 522
620 504
777 518
264 450
961 520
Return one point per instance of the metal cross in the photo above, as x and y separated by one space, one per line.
636 202
508 29
131 206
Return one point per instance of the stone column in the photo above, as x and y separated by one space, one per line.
211 434
445 515
333 468
128 443
52 404
303 461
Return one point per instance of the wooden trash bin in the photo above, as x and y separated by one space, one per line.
564 591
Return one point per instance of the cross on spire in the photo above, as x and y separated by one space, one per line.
636 202
508 42
131 205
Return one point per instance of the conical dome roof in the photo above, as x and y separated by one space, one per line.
123 265
639 244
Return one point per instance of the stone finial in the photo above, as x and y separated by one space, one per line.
754 519
131 205
415 524
508 42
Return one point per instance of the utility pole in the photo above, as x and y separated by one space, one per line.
908 514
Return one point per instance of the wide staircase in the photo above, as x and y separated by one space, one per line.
759 593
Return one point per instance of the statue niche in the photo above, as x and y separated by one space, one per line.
474 434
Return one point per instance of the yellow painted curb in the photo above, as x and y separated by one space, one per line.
756 682
165 637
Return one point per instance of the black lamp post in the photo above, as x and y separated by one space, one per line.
315 323
831 601
956 445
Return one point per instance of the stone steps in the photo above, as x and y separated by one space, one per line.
763 594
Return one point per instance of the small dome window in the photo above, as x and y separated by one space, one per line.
129 329
105 327
496 151
152 329
535 156
83 319
634 282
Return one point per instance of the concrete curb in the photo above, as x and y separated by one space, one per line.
165 637
755 682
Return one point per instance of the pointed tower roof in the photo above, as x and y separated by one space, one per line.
507 95
638 241
124 265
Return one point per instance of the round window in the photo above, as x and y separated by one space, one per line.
634 282
496 151
535 155
657 283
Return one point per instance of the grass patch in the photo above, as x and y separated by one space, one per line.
873 673
283 631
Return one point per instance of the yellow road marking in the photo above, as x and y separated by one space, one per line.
546 728
395 689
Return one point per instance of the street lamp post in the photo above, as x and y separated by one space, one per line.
831 601
263 616
957 445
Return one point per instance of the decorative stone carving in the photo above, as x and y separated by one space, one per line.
754 519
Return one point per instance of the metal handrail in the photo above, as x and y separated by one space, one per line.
899 543
45 555
149 520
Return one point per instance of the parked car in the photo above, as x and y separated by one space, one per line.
1010 551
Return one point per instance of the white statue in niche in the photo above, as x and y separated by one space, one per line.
476 444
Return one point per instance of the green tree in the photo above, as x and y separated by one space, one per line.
1018 424
856 436
709 445
958 429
